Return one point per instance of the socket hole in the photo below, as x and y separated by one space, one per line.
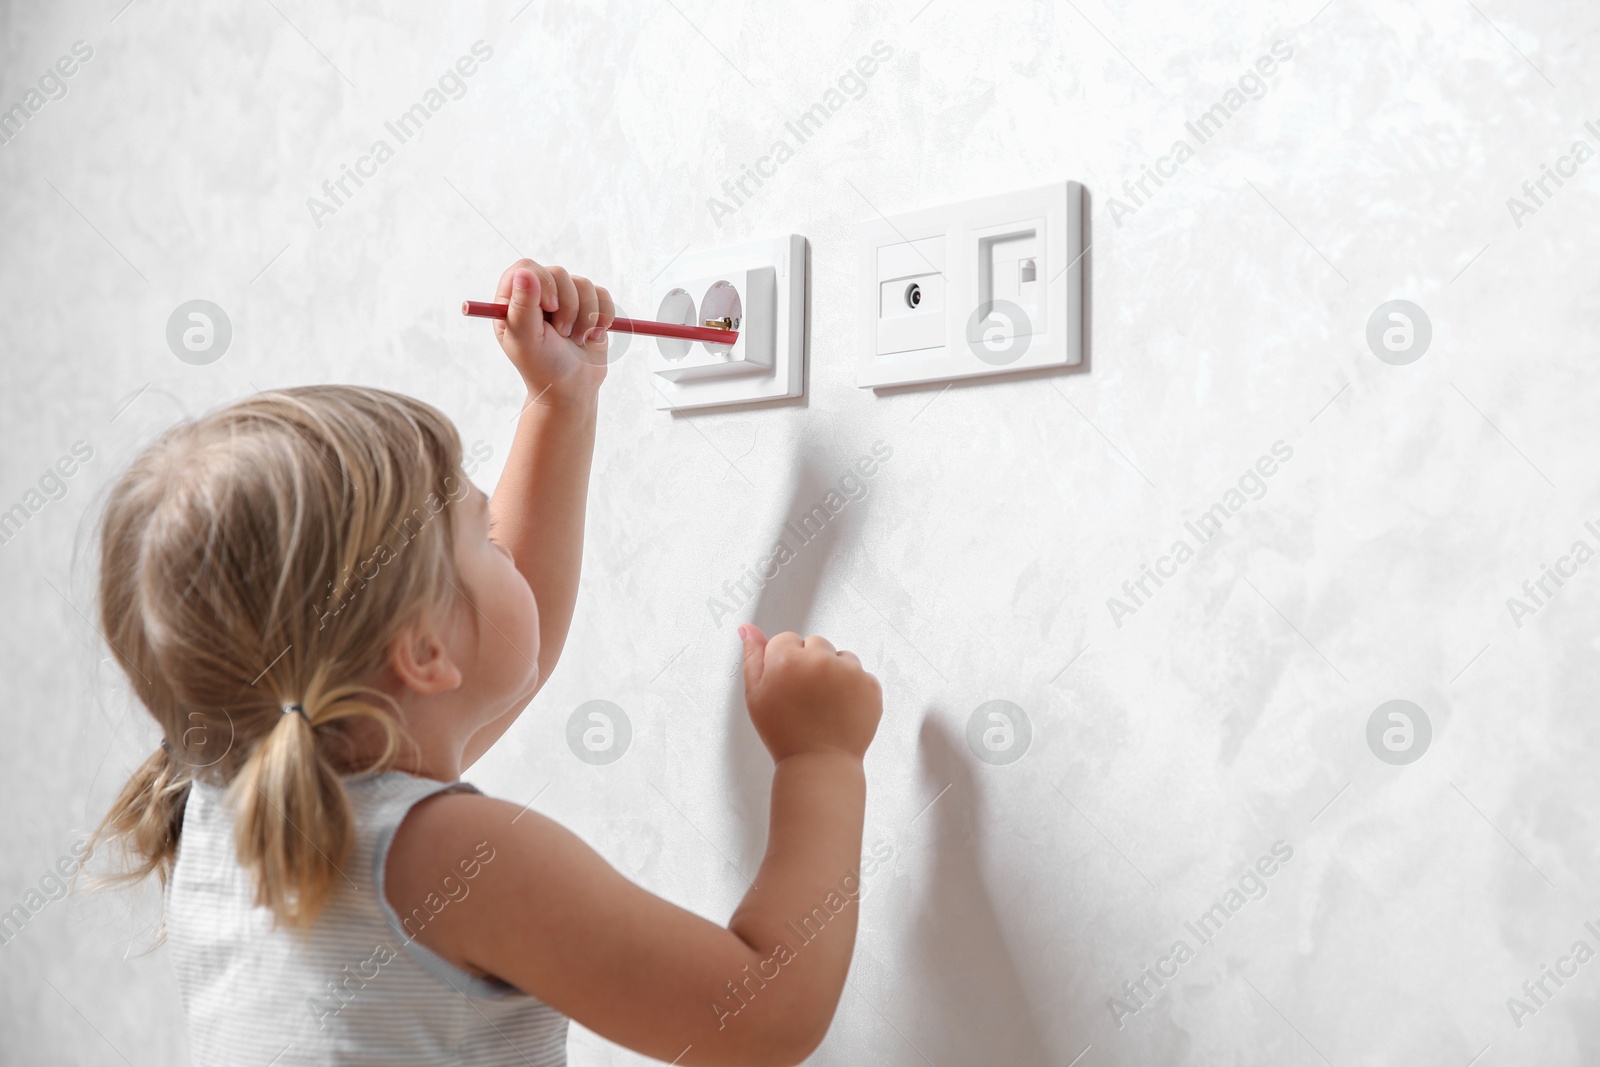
721 304
676 307
913 295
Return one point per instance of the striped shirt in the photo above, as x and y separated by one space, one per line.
355 989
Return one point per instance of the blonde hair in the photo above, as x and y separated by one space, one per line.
246 591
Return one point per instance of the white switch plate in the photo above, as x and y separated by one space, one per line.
768 361
989 286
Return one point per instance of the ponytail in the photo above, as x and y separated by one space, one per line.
146 819
293 828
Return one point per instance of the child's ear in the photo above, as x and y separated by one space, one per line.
419 658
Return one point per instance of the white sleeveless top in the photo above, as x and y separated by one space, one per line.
356 989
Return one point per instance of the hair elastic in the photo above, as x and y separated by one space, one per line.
289 709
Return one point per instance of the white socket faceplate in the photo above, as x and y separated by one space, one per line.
768 360
746 298
989 286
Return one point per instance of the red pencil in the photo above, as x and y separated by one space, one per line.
713 335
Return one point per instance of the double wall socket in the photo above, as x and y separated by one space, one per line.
988 286
757 289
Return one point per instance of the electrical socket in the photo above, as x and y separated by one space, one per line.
745 302
760 285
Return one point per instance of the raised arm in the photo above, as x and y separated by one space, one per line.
551 917
537 510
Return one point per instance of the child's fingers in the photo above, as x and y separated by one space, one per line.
502 290
547 284
524 299
588 310
551 296
755 648
816 641
566 301
575 306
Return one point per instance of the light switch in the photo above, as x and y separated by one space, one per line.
987 286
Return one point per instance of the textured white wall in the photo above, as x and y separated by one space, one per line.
1229 313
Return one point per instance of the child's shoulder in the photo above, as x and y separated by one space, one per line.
456 843
439 832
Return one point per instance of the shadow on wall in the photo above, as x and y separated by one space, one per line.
974 1000
783 603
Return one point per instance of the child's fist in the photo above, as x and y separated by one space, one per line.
555 330
804 696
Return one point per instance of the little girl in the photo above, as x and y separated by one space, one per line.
330 623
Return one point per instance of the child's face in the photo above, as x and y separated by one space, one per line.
501 666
